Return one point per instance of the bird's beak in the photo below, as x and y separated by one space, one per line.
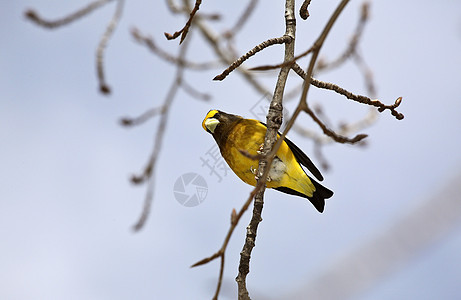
210 124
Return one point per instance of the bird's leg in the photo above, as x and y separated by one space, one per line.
260 151
255 171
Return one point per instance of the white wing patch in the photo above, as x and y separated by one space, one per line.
277 170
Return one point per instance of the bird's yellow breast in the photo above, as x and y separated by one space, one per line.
248 135
247 138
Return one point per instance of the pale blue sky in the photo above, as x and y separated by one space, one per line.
66 205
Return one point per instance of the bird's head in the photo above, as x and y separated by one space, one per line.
217 122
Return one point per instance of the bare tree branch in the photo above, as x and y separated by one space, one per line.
260 47
241 20
103 87
174 8
367 73
148 173
33 16
227 58
338 138
358 98
303 12
194 92
288 63
152 46
345 129
183 32
150 113
352 46
235 218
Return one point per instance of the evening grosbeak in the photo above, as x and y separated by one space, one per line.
234 134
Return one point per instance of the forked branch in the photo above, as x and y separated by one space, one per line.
349 95
183 32
281 40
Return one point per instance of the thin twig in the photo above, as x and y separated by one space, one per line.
352 46
235 218
174 8
33 16
284 64
319 156
251 156
367 74
150 113
223 54
338 138
318 110
293 93
241 20
194 92
303 12
148 173
103 87
344 129
358 98
241 59
317 46
150 44
183 32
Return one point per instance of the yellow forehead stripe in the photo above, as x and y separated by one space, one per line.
210 114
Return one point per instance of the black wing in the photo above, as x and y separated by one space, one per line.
302 158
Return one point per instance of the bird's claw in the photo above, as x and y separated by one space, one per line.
255 172
261 148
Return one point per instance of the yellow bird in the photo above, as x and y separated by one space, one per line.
234 133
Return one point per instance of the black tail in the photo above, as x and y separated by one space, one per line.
318 198
321 193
